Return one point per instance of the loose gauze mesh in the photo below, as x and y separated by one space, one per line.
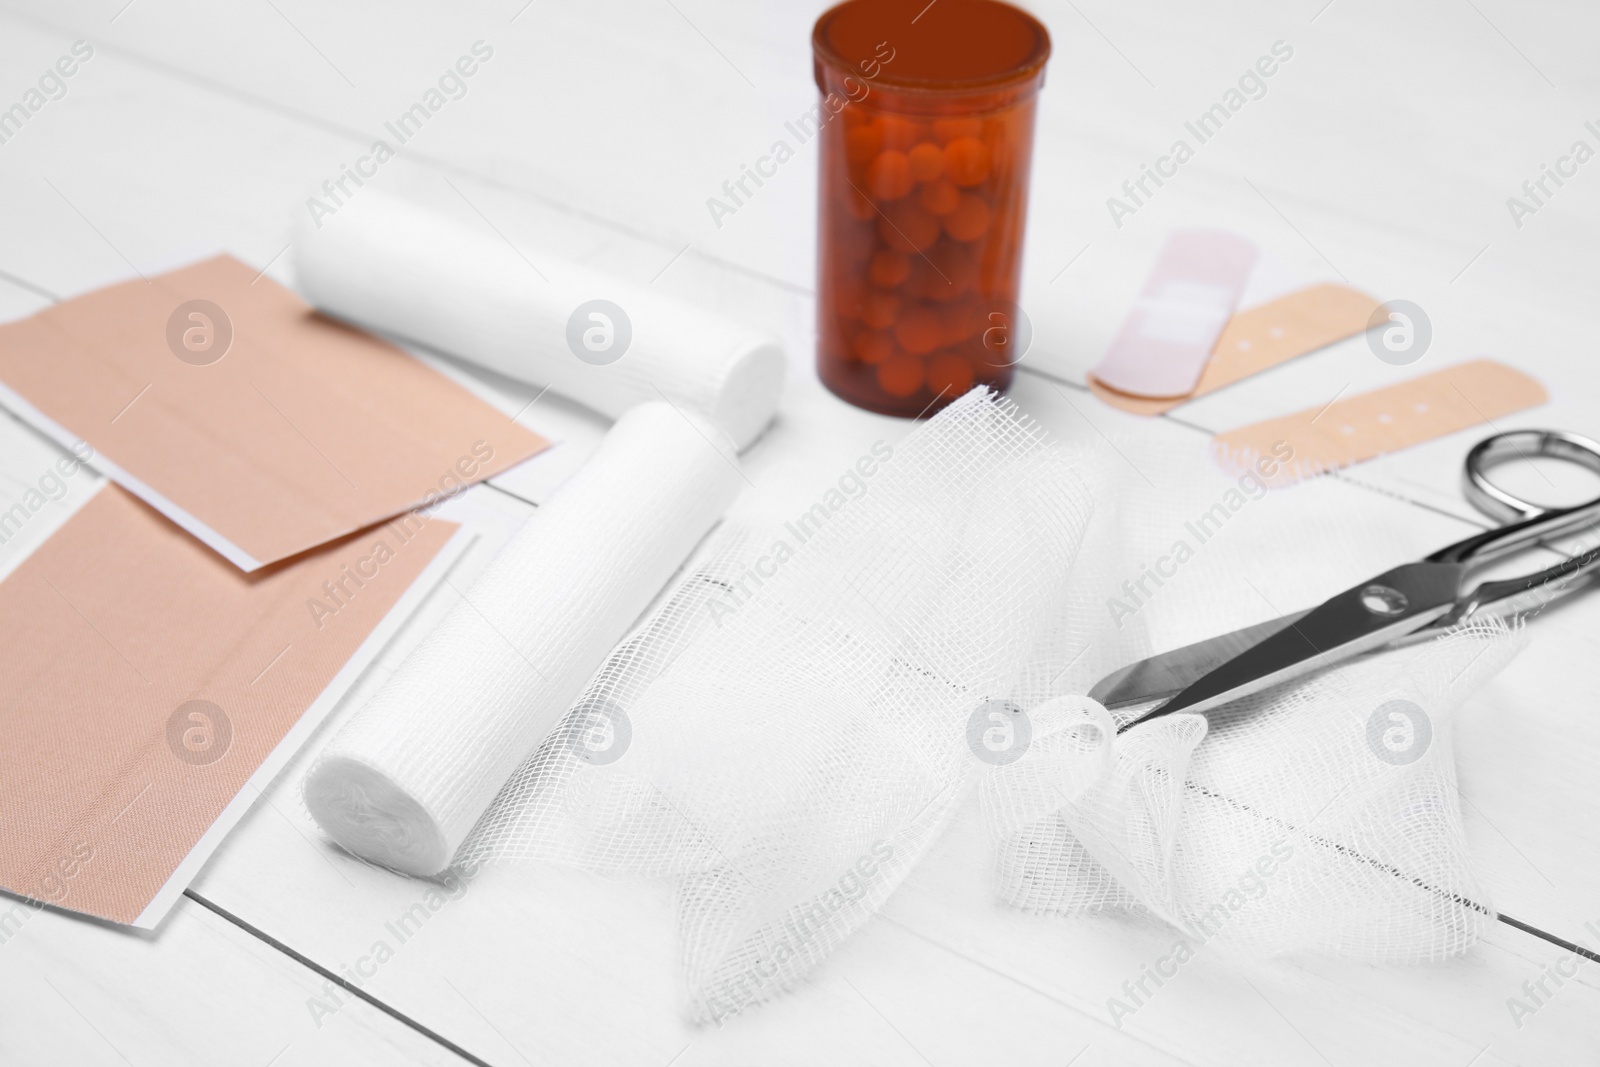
1319 815
397 268
1294 824
791 730
795 724
796 712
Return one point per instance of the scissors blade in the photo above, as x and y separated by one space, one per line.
1362 617
1167 674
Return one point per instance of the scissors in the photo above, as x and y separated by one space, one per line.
1410 602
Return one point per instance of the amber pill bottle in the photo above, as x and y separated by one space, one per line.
926 136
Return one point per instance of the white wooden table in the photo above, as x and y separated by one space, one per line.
1382 153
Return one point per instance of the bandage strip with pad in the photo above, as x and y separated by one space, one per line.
1167 338
1261 338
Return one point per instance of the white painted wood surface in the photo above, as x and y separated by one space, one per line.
1383 152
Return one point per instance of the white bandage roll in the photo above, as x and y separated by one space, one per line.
389 265
406 778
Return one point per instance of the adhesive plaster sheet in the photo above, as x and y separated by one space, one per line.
259 426
1355 429
153 690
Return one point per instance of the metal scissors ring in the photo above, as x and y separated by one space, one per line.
1409 601
1521 444
1526 523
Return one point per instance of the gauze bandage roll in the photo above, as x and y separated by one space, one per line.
404 781
396 268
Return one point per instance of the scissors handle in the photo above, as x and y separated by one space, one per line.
1528 523
1521 444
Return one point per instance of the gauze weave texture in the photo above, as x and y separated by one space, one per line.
402 270
794 726
1318 816
1321 815
404 781
798 708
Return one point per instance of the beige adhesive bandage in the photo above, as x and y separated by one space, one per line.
1260 338
1385 420
258 425
152 690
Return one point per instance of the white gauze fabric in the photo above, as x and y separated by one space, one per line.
1292 825
1321 815
791 730
389 265
798 707
404 781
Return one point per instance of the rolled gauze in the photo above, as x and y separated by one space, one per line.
389 265
406 778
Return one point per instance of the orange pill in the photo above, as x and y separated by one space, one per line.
873 346
897 133
940 197
966 161
900 376
878 308
948 130
888 268
970 220
919 331
861 143
961 321
889 175
906 227
927 161
949 374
